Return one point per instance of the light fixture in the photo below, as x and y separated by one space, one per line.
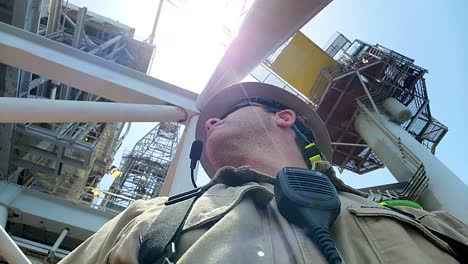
96 192
115 172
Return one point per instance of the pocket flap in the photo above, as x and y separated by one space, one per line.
371 211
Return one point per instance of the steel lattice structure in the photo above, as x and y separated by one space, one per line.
78 61
145 167
385 73
62 158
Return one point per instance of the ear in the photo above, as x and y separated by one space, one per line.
285 118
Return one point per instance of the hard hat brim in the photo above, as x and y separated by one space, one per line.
232 95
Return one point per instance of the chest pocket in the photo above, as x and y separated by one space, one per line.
396 238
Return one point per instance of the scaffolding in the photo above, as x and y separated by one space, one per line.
63 158
144 169
61 163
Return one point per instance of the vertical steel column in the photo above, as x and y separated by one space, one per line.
446 191
156 21
55 12
178 177
79 26
26 14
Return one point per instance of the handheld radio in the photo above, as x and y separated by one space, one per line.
308 199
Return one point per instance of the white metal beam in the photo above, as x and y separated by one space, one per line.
51 213
3 216
178 176
38 247
87 72
267 25
10 251
24 110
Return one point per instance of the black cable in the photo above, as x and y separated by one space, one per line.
309 200
195 154
324 241
192 176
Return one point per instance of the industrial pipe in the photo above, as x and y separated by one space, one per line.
400 152
59 240
3 215
57 243
10 251
25 110
397 111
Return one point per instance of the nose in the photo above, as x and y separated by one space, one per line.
210 123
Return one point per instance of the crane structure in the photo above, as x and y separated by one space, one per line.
71 79
372 86
375 105
144 169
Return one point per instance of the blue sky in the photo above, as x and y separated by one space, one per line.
434 33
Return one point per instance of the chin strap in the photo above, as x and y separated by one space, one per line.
311 152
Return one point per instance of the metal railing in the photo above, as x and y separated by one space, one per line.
412 190
101 200
10 251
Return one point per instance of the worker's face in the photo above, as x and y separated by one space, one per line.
243 132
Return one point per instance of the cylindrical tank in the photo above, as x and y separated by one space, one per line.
445 192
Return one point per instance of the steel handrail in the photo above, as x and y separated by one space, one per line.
9 250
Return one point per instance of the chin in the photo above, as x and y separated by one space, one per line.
219 150
212 150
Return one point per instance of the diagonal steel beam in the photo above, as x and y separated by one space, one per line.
86 72
267 25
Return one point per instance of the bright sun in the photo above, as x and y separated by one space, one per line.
192 37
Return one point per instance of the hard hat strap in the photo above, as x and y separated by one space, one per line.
310 151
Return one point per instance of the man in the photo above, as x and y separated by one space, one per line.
251 131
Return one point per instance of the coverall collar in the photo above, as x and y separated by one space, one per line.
237 176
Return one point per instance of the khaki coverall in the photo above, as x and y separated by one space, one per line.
236 221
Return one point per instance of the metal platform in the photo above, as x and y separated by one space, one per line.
370 74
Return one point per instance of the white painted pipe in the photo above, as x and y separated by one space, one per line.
59 240
10 251
27 110
398 111
446 191
384 147
3 215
